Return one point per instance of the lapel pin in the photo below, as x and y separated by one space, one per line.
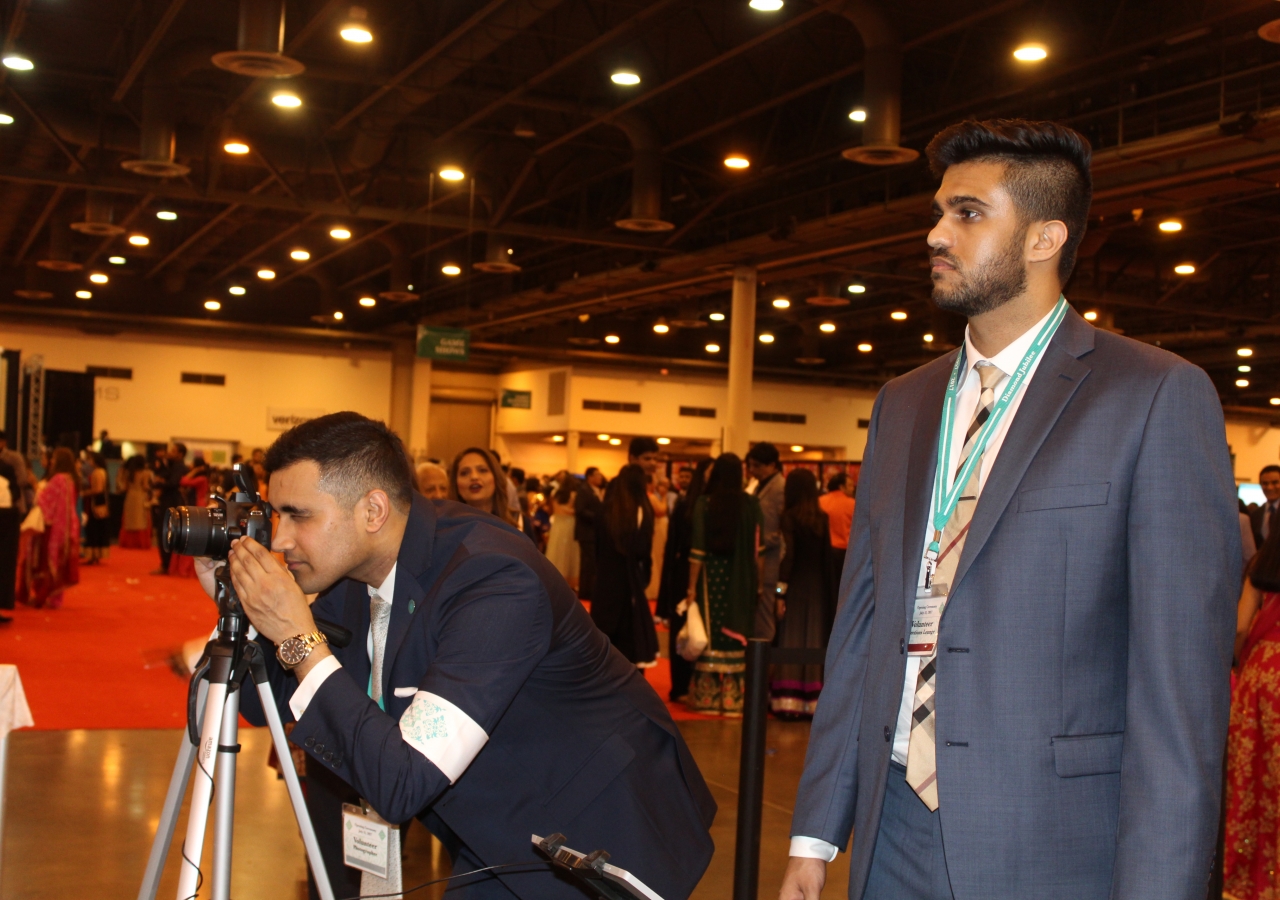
412 605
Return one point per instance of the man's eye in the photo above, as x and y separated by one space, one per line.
968 214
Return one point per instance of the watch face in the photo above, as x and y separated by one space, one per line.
293 651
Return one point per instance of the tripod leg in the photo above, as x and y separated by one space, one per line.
224 801
172 805
202 790
323 887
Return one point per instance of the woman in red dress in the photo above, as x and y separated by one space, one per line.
49 556
1253 741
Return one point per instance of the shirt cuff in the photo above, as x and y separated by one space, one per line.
307 688
813 848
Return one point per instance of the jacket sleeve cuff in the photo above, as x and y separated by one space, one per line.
813 848
307 688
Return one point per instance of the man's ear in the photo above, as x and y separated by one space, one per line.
1045 240
376 510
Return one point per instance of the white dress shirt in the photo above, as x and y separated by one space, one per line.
1007 360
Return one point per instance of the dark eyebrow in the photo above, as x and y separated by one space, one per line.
290 509
966 200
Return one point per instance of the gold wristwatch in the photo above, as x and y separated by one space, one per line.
292 651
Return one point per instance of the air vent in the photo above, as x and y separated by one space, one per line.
109 372
611 406
698 412
556 384
201 378
788 418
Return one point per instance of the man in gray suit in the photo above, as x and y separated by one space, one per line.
763 466
1027 681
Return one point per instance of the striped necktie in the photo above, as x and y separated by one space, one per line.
922 772
379 619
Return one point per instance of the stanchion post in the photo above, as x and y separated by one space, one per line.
755 700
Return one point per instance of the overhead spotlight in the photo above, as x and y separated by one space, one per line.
716 317
286 99
602 437
766 337
212 305
1244 351
1244 368
781 303
765 5
368 302
615 442
611 339
6 119
713 348
300 255
1242 382
266 274
98 278
166 215
84 295
355 30
1091 315
1275 401
864 348
898 315
116 260
451 269
858 115
139 240
827 327
236 148
1029 53
236 290
337 315
339 234
736 162
18 63
558 438
1170 226
857 289
797 448
661 326
452 173
664 441
625 77
1185 269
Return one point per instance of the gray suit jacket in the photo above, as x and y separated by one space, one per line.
1082 688
771 498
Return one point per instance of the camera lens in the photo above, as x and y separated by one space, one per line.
196 531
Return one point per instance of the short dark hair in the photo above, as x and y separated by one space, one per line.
180 447
763 453
590 469
836 481
1266 469
517 475
642 445
355 454
1046 170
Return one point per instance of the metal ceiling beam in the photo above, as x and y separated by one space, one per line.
139 61
264 246
205 229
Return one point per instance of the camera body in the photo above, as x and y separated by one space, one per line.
209 531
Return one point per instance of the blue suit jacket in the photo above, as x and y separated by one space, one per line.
1082 687
578 741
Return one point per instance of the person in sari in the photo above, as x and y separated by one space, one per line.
675 576
195 492
562 549
661 524
49 558
1252 850
135 482
724 574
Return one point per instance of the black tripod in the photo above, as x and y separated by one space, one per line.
213 709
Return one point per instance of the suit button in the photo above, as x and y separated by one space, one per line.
888 733
311 742
328 757
319 748
337 760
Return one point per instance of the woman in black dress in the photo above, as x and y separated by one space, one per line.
624 544
675 576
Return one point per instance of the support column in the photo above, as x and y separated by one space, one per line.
403 354
742 347
571 441
420 412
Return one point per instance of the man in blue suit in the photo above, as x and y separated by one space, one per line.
1027 680
476 693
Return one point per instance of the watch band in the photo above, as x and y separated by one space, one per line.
293 651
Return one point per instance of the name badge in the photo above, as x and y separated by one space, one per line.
366 839
926 619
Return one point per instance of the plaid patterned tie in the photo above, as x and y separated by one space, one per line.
922 772
379 619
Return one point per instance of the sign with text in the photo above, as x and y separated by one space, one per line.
444 343
284 419
517 400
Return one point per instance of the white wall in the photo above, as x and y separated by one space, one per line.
1254 445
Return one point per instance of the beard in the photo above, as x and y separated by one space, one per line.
987 288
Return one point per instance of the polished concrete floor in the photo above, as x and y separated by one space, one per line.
82 806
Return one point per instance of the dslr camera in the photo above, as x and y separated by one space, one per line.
209 531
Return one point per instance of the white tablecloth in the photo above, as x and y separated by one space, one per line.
14 713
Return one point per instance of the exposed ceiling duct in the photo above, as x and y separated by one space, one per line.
882 88
259 49
498 257
398 290
158 143
99 216
646 175
31 288
58 256
328 295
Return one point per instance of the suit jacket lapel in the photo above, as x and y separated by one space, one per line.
355 618
921 466
413 560
1056 379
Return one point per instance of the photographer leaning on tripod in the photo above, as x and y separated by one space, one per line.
482 699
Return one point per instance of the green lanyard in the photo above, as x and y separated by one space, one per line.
945 501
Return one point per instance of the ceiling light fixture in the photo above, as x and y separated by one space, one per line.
864 348
716 317
736 162
611 339
765 5
766 337
858 114
602 437
166 215
661 326
1170 226
625 78
84 295
340 234
781 303
558 438
1029 53
797 448
236 290
300 255
1244 351
713 348
898 315
1091 315
615 442
1242 382
452 173
6 119
1275 401
236 148
1185 269
827 327
451 270
98 278
212 305
1244 368
286 100
337 315
857 289
356 34
368 302
139 240
116 260
266 274
664 441
18 63
928 338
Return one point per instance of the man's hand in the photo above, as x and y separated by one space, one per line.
804 879
275 604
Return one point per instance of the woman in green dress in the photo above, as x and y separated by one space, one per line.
724 575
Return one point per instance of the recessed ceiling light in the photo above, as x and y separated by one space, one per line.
1029 53
827 327
1091 315
452 173
1242 382
300 255
18 63
166 215
602 437
716 317
212 305
6 119
286 99
615 442
857 289
858 115
558 438
765 5
713 348
797 448
781 303
266 274
766 337
664 441
625 77
368 302
661 326
451 270
235 290
1244 368
611 339
84 295
356 34
1185 269
737 162
98 278
1169 226
337 315
864 348
236 148
928 338
1244 351
898 315
116 260
1275 401
339 234
139 240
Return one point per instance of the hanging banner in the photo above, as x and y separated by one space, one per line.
444 343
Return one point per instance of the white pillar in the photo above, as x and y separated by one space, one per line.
742 347
571 441
403 354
